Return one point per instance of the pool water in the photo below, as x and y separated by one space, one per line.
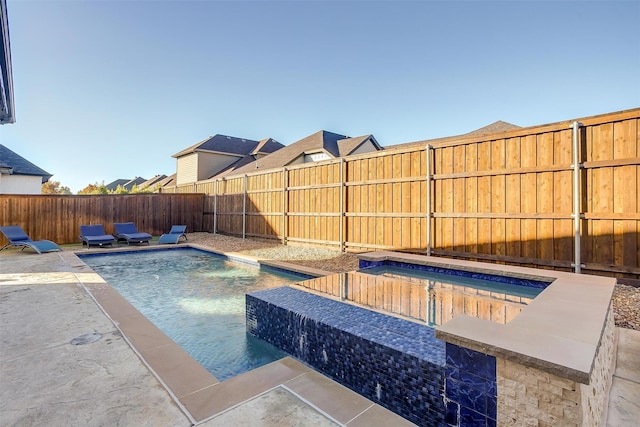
198 300
430 297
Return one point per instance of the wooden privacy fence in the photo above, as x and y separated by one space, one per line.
58 217
526 196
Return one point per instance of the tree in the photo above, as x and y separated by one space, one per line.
94 189
54 187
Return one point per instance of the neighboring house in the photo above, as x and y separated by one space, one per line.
495 127
7 110
152 183
219 153
127 184
169 181
115 184
322 145
18 175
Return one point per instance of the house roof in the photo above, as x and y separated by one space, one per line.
222 144
15 164
135 181
7 110
118 182
495 127
349 145
168 181
152 181
267 146
317 142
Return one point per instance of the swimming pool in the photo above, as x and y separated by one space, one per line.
197 299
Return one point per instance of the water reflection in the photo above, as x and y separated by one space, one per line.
431 301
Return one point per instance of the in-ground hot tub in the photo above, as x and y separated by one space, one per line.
470 369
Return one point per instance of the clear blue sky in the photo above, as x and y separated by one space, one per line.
111 89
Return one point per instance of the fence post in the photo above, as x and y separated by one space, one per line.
428 197
284 205
342 215
215 206
577 264
244 208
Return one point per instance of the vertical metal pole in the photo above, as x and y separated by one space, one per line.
576 196
428 198
244 209
215 207
284 206
342 216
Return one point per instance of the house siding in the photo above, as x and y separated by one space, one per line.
187 169
20 184
210 164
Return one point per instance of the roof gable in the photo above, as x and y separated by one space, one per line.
349 145
267 146
18 165
494 127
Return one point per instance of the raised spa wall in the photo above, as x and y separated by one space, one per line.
551 365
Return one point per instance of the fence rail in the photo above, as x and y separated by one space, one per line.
506 198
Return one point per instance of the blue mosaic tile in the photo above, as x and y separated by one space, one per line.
394 362
370 264
463 273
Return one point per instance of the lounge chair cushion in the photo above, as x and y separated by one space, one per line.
128 231
18 238
174 235
95 235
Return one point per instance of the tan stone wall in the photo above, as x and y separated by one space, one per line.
594 395
531 397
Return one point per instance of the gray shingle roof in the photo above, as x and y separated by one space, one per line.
222 144
495 127
349 145
317 142
21 166
152 181
113 185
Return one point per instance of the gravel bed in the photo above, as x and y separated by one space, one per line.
626 299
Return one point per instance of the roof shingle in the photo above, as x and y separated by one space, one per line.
21 166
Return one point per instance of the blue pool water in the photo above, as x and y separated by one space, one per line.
198 300
515 288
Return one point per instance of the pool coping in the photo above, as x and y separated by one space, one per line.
559 332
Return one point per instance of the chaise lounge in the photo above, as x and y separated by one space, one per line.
128 231
94 235
174 235
18 238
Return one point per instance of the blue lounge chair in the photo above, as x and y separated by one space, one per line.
174 235
18 238
128 231
94 235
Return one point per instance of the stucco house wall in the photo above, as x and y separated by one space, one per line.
20 184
